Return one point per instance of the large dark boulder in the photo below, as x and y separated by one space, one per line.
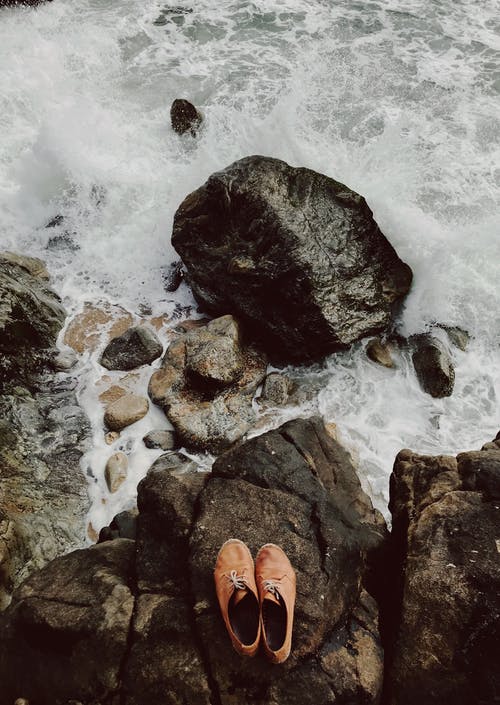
295 254
446 530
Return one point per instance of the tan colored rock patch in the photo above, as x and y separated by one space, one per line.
115 472
85 330
125 411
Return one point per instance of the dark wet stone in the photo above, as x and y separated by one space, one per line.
137 346
433 365
185 117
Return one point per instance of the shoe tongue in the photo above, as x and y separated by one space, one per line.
238 595
272 598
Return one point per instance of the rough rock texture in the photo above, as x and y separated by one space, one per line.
185 117
34 266
43 432
31 316
65 634
11 3
276 389
206 383
446 529
433 365
293 253
295 486
137 346
161 438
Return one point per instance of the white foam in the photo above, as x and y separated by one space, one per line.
399 103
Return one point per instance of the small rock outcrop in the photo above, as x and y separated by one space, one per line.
446 530
379 352
275 390
294 254
185 117
115 472
433 365
295 486
137 346
162 438
206 383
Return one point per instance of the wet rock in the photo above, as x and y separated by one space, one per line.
433 366
43 433
457 336
172 276
276 389
445 526
123 526
161 438
125 411
137 346
34 266
62 242
379 352
31 316
86 329
64 360
185 117
111 437
294 254
206 383
115 472
112 394
65 634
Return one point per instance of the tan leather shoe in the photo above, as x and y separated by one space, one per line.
237 594
276 583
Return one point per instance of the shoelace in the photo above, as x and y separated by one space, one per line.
271 587
239 581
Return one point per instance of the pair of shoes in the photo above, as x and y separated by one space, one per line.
256 601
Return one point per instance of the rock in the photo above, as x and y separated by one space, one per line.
294 254
73 630
43 433
115 471
457 336
31 316
433 365
276 389
11 3
172 276
112 394
137 346
185 117
125 411
379 352
206 383
111 437
85 330
160 438
304 490
64 360
123 526
65 634
62 242
445 528
34 266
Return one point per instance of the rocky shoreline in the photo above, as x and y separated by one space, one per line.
293 266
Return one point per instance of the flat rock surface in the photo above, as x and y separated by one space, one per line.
137 346
294 254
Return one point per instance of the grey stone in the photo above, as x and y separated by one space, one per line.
276 389
137 346
433 365
160 438
294 254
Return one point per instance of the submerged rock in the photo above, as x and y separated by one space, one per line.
85 330
185 117
137 346
433 365
446 528
294 254
379 352
206 384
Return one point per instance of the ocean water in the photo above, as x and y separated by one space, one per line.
397 99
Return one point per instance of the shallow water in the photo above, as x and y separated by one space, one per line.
399 100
